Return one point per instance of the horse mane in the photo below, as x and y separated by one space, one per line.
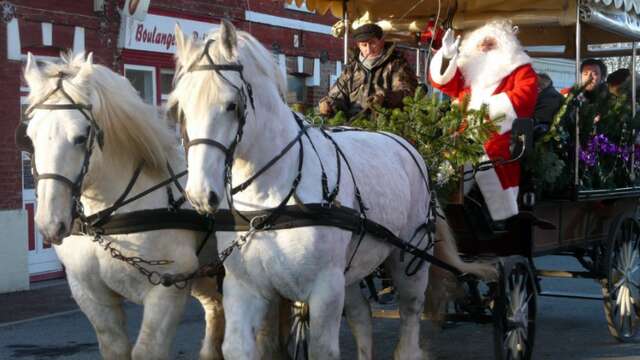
133 130
255 58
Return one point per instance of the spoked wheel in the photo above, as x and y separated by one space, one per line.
621 288
514 310
298 344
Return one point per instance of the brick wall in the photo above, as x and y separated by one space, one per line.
203 10
10 170
312 43
101 32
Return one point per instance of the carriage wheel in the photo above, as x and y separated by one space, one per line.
621 288
514 310
298 344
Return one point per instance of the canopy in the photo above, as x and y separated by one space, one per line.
542 22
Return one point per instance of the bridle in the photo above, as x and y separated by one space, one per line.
244 93
95 135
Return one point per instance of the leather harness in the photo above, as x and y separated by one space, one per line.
327 213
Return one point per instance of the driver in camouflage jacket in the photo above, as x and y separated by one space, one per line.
379 74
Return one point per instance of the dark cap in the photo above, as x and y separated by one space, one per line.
366 32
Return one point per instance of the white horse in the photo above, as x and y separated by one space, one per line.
133 133
308 263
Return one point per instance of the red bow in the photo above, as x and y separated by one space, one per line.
427 34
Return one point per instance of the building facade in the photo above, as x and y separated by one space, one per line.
142 51
44 29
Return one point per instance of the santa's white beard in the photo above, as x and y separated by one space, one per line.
485 69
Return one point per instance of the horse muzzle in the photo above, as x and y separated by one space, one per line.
57 234
205 202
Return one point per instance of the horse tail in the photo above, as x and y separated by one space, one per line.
446 250
443 284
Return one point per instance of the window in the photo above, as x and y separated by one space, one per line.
166 84
296 89
28 182
143 79
293 6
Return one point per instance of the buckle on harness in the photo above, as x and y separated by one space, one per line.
257 223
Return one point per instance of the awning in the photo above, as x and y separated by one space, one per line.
542 22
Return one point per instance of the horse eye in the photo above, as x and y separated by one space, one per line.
79 140
231 107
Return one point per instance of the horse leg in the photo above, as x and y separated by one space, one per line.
268 339
410 291
245 311
206 291
163 308
358 313
104 310
325 312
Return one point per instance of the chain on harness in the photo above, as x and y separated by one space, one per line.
258 223
87 224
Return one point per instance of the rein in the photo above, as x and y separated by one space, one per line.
95 135
104 222
286 216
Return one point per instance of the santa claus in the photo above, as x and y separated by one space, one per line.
490 68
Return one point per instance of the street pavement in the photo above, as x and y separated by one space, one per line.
45 324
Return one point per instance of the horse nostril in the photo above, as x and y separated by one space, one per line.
213 199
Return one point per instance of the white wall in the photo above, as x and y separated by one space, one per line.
13 251
561 71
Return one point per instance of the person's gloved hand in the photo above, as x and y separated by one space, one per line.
376 99
324 108
449 45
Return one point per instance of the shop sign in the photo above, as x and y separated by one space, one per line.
156 32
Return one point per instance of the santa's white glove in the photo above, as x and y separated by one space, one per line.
449 46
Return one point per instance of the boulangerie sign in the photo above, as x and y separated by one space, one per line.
156 32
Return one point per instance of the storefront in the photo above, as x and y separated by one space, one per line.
148 47
33 27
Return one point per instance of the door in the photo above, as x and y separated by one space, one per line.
43 261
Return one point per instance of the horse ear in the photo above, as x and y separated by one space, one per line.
181 41
89 60
86 67
228 39
32 72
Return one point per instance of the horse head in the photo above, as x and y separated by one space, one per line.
63 134
83 117
214 94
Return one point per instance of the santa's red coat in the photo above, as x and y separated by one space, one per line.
520 87
515 96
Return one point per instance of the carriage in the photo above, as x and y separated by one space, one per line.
598 227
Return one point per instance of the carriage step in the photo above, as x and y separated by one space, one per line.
571 295
566 274
392 314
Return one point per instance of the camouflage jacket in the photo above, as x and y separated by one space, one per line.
391 75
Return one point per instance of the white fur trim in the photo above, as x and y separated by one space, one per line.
436 65
494 73
502 203
480 94
499 105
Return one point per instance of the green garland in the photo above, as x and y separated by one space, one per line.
606 117
447 136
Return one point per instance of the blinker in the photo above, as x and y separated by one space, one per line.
23 142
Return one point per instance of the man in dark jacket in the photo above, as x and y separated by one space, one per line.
378 74
548 104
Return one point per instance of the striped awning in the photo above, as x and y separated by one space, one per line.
542 22
627 5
